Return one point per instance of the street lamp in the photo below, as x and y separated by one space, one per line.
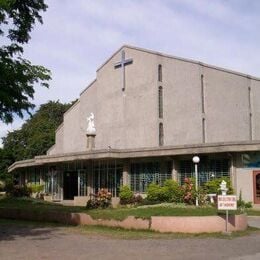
196 160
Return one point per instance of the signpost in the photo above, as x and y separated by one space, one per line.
226 202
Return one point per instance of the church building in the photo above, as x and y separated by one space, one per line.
143 119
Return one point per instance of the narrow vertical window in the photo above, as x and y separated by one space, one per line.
250 114
161 135
202 93
203 108
160 101
203 131
160 73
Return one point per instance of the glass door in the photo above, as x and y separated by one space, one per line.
53 184
82 183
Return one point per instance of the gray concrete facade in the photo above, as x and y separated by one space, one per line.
192 93
205 109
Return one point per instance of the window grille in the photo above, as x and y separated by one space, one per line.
34 176
143 174
207 170
82 183
108 175
53 180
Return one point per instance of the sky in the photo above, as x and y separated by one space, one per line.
78 36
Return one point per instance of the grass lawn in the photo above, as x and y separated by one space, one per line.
252 212
146 213
117 213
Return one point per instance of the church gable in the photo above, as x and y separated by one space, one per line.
145 99
73 133
57 148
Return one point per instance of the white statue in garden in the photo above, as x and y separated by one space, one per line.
223 188
91 126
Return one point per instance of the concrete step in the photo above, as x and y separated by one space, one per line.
66 202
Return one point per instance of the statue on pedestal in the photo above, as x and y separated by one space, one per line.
91 130
223 188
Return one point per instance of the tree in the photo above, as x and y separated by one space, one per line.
18 75
6 159
35 137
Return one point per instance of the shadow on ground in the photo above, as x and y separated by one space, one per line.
12 230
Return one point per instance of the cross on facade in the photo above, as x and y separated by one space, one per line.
124 62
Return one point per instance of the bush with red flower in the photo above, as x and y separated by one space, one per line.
100 200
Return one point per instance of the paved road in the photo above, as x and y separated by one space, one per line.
21 242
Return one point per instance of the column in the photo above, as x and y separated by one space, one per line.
126 169
174 169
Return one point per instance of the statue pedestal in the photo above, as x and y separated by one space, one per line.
91 141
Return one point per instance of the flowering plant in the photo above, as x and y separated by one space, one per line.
189 191
100 200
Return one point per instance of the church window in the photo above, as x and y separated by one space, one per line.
161 135
160 101
33 177
160 73
82 185
108 175
202 93
250 114
208 169
203 130
145 173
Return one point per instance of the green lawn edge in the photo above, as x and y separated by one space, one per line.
39 206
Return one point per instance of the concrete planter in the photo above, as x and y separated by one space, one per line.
203 224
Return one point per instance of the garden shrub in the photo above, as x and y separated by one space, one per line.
189 192
126 195
36 188
202 196
17 190
2 186
100 200
241 204
172 191
149 202
213 186
156 193
138 199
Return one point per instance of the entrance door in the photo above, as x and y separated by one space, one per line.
256 183
70 182
53 184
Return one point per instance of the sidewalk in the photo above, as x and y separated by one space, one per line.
254 221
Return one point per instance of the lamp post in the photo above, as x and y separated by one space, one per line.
196 160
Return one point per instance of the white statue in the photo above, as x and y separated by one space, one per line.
91 126
223 188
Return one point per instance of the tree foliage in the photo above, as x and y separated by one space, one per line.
18 75
35 137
